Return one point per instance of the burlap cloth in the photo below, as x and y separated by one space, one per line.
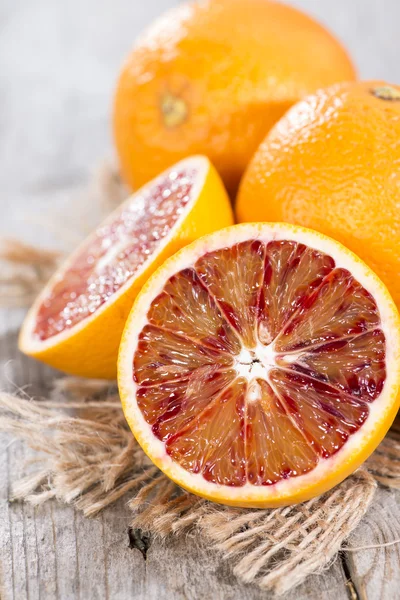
87 456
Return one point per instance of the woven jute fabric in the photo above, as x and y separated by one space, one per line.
87 457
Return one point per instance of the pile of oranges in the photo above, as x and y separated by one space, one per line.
215 77
260 362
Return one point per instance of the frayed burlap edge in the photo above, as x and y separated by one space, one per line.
90 459
24 269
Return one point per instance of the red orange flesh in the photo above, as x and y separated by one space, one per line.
257 363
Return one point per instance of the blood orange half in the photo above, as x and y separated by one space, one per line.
260 365
77 322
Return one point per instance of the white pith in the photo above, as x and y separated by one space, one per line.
256 362
378 410
33 345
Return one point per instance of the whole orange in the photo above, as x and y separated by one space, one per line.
212 77
333 164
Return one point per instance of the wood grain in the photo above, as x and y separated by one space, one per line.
376 571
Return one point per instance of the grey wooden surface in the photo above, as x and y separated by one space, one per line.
58 65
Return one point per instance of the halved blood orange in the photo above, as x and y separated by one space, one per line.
77 322
260 365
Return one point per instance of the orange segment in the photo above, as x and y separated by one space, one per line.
165 356
169 406
354 365
213 443
260 365
340 307
291 272
77 322
186 307
233 276
325 418
276 449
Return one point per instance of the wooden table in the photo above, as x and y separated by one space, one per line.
58 63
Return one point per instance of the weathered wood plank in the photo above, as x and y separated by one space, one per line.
376 571
46 553
16 459
66 550
125 566
6 542
187 570
91 575
190 570
32 555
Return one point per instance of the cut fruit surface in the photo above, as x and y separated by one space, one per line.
260 365
77 321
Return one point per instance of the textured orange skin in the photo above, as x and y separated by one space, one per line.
238 65
333 164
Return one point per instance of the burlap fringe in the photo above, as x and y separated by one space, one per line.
86 456
90 459
24 269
